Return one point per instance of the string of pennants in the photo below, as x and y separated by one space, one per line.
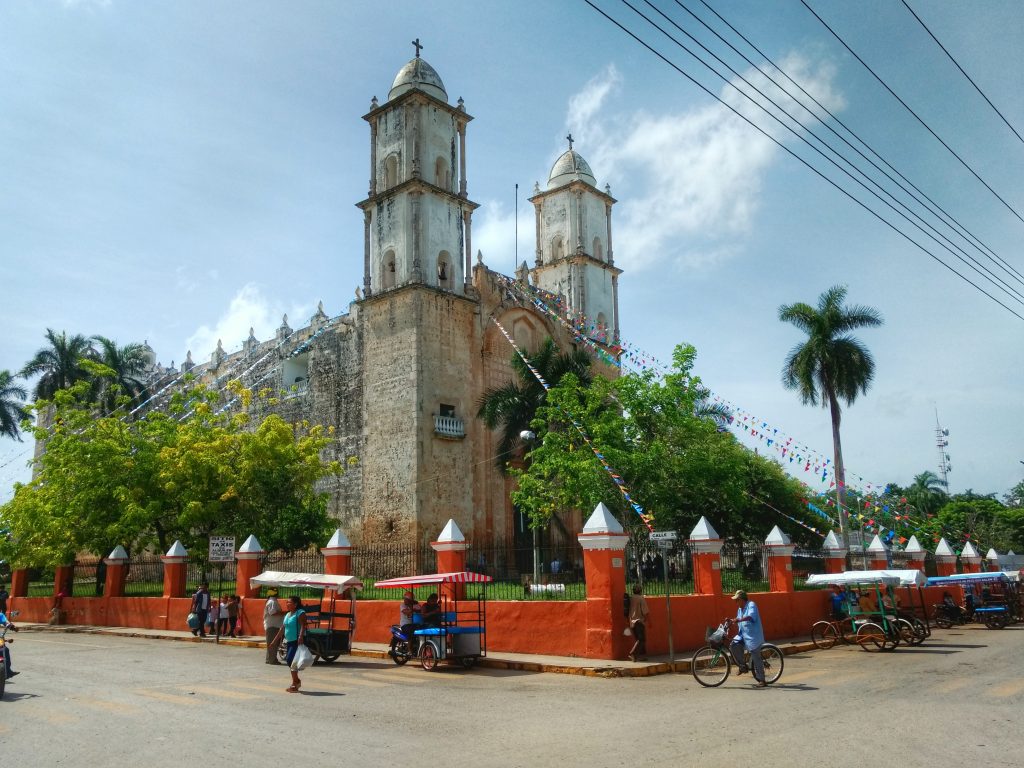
618 353
620 484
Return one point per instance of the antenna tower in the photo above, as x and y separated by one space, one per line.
942 443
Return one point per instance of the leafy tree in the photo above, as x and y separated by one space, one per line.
513 406
831 365
1014 498
927 493
59 364
190 472
12 406
126 371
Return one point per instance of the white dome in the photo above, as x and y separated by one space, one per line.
418 74
570 167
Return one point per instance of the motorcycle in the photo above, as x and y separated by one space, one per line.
4 651
947 615
402 648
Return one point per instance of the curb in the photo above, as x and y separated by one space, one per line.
680 666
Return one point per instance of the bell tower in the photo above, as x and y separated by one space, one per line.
574 244
417 217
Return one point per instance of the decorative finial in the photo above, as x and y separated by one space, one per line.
569 139
536 187
607 189
417 46
479 257
373 103
461 104
320 306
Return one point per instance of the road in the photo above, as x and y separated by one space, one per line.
91 700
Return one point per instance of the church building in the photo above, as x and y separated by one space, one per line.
400 376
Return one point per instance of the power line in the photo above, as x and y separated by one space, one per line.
917 117
790 152
931 205
962 72
960 253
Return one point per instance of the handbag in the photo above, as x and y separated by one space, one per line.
303 658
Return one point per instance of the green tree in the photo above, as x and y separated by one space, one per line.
510 408
927 493
59 365
127 371
12 406
831 365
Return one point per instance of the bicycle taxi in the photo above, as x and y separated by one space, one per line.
462 634
330 618
875 619
994 594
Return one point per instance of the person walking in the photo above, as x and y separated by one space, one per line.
749 636
234 603
273 620
201 607
4 595
293 632
638 614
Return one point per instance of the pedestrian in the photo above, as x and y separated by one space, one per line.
638 614
749 636
3 597
234 603
293 632
556 566
201 608
273 620
222 616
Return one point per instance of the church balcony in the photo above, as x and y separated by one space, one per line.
449 426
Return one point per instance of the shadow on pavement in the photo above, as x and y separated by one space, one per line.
320 693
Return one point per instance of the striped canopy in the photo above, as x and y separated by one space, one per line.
458 577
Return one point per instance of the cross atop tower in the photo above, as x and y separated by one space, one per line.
569 139
417 46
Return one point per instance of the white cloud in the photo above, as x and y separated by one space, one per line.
249 308
691 180
494 235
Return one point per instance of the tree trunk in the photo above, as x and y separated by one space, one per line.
840 470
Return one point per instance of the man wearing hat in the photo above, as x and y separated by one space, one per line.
273 620
749 636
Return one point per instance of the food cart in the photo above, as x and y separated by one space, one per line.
329 628
462 634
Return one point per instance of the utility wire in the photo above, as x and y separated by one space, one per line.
959 253
931 205
906 106
797 157
962 72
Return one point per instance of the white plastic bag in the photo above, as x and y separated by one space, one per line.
627 632
303 658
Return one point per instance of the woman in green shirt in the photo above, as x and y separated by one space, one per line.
294 634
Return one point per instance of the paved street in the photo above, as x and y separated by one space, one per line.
89 700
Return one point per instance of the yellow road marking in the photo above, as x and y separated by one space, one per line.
798 676
262 686
396 677
222 693
1008 689
168 697
110 706
953 685
66 642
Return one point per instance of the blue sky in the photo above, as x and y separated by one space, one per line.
180 171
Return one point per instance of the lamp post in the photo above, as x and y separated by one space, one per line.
528 436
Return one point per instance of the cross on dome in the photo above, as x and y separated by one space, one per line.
569 139
417 46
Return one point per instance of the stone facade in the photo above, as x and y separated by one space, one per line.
400 376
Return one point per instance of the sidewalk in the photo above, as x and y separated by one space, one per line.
525 662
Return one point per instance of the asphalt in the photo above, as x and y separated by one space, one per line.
528 662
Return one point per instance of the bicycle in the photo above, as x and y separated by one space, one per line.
711 664
827 632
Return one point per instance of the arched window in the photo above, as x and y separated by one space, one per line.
388 278
598 250
442 174
390 171
557 248
445 279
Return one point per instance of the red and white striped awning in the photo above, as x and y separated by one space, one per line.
458 577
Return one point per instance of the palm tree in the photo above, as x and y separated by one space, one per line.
513 406
12 410
927 492
60 364
128 364
831 365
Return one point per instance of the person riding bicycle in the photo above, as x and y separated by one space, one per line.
749 636
7 646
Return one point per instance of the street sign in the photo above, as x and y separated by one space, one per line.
663 535
222 549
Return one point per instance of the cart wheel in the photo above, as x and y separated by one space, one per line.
330 659
399 655
942 620
920 631
468 661
847 631
428 657
995 621
906 632
871 637
3 680
824 634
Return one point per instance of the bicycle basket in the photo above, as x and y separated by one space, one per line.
715 636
